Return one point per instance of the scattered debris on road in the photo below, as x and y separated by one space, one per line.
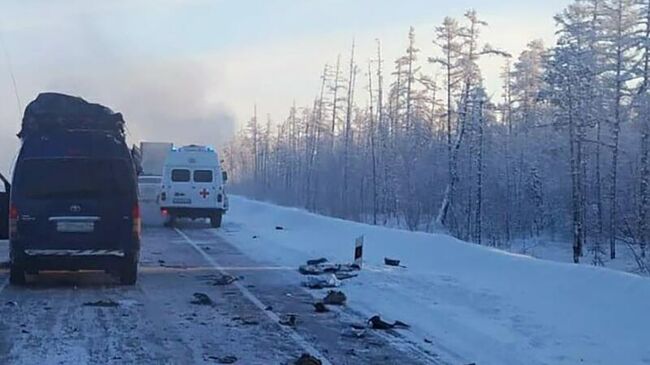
335 297
289 320
377 323
279 228
223 280
227 360
108 303
325 267
318 261
11 303
307 359
345 275
426 340
223 359
354 332
202 299
319 282
246 321
391 262
320 307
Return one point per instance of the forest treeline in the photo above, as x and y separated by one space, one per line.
562 152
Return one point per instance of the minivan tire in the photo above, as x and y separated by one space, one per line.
17 275
129 272
215 220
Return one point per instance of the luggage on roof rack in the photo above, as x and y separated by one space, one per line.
52 112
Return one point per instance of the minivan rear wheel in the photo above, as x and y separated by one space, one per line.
17 275
129 271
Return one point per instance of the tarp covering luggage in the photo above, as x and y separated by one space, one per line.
53 112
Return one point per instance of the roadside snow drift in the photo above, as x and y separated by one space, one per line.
473 303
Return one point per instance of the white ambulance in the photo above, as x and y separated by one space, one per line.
193 185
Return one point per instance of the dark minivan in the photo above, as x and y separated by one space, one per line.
73 202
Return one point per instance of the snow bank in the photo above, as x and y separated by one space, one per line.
475 304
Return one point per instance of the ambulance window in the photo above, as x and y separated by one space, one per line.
203 176
180 175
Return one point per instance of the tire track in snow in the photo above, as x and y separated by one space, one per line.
295 336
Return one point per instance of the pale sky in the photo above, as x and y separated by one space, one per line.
191 71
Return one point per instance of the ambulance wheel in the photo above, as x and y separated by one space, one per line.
215 220
170 221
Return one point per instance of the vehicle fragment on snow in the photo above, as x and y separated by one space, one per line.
289 320
202 299
391 262
320 307
223 280
377 323
323 266
230 359
106 303
335 297
318 261
307 359
321 282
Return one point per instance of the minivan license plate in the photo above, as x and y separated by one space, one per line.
182 201
78 227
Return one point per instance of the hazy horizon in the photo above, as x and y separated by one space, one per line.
192 71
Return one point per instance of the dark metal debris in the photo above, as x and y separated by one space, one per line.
319 261
202 299
320 307
227 360
335 297
391 262
289 320
102 303
377 323
307 359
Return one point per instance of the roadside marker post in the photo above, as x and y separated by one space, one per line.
358 251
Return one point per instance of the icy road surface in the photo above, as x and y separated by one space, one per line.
154 322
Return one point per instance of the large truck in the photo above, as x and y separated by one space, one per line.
73 197
153 156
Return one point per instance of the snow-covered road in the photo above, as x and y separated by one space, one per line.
57 318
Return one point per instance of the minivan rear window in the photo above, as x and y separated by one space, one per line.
203 176
180 175
74 178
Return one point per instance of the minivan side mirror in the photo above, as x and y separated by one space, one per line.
4 208
224 176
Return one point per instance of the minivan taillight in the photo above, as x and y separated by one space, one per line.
137 222
13 222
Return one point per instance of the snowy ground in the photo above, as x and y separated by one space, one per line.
553 250
473 303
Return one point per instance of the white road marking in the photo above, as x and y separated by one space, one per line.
301 341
